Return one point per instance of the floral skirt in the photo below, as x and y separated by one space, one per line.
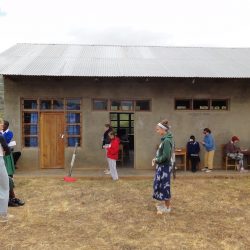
162 183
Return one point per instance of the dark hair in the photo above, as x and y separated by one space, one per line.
207 130
111 133
6 123
192 137
107 125
165 123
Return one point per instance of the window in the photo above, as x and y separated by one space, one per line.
30 129
121 105
219 104
30 118
123 123
100 104
115 105
142 105
202 104
183 104
127 105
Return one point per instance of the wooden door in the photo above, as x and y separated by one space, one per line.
52 144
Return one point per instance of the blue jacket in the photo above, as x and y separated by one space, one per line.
8 135
193 148
209 142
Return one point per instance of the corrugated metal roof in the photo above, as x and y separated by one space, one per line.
124 61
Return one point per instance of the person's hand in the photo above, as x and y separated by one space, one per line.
153 162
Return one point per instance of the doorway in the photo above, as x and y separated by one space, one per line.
123 124
52 143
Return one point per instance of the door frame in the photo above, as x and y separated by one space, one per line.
117 112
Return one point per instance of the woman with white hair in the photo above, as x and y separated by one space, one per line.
162 161
4 179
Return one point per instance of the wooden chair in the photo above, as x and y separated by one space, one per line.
228 162
121 154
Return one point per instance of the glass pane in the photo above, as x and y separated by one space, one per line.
182 104
200 104
30 129
115 105
124 117
30 104
124 124
132 123
142 105
73 130
58 104
219 104
114 123
113 116
45 104
72 141
30 141
127 105
132 117
73 118
31 117
100 104
73 104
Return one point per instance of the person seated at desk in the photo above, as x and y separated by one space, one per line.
193 150
234 152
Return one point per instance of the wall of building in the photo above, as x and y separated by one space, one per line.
1 96
162 92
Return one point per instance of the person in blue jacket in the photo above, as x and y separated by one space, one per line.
193 150
209 145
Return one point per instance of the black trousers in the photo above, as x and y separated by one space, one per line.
16 156
194 162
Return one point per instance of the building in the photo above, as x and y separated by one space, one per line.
56 95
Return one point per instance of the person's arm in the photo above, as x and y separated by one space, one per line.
166 153
198 148
8 136
4 145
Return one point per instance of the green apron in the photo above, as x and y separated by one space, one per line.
9 163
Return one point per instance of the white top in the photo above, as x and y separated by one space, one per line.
1 150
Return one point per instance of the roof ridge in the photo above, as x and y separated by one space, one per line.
129 45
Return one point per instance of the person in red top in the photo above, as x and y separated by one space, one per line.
112 154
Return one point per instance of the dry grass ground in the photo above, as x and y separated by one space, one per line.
101 214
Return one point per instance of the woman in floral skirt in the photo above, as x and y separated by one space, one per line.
162 162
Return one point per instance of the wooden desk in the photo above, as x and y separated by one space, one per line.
182 153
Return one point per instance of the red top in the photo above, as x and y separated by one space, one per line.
113 151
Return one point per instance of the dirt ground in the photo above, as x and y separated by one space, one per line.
102 214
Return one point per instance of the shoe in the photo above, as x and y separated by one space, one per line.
204 169
12 203
242 170
18 201
107 172
208 171
161 209
5 218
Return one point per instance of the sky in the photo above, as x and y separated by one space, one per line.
203 23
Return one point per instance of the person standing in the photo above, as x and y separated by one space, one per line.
8 135
106 142
193 150
162 163
113 154
10 163
209 145
4 179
